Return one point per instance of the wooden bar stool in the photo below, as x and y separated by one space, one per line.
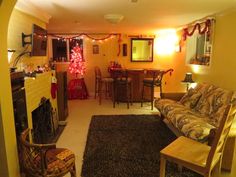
122 84
41 160
100 82
153 79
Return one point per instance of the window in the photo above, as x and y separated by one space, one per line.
61 49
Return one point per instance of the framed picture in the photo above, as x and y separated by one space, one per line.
95 49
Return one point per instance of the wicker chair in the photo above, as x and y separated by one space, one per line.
45 160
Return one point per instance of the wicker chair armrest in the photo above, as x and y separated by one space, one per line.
45 146
173 95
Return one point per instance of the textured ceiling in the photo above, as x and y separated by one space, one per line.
145 16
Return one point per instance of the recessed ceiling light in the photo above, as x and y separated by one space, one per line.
113 18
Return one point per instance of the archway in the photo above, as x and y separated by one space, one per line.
8 154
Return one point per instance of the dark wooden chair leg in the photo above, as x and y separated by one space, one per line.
127 94
131 93
114 94
100 92
73 172
95 94
142 96
152 96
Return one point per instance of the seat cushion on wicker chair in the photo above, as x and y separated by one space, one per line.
59 159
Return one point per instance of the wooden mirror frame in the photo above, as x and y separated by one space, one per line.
150 59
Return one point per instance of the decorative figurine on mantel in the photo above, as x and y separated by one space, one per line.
76 87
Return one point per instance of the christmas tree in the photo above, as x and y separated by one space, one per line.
76 65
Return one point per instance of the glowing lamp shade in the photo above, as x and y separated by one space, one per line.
188 80
10 53
166 42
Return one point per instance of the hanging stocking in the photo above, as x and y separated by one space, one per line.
54 87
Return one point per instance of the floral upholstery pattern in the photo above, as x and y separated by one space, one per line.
198 111
58 160
191 98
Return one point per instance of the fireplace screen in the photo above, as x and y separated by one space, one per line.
43 127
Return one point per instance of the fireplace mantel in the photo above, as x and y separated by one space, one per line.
36 88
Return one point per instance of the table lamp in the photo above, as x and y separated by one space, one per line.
188 80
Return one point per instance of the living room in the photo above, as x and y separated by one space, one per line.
15 21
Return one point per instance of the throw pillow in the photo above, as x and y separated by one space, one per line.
191 98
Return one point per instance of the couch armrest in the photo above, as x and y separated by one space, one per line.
173 95
211 136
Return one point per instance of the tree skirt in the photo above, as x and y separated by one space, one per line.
127 146
77 89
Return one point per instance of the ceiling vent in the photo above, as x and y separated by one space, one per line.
113 18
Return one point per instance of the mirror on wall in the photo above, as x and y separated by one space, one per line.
142 49
198 49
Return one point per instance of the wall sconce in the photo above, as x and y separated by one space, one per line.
26 36
17 59
9 54
188 80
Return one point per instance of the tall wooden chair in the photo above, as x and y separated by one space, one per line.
100 82
196 156
153 79
122 86
44 160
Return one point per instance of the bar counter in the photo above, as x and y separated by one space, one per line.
137 75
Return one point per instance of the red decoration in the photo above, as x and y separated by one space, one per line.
119 42
76 65
198 26
54 87
53 90
77 89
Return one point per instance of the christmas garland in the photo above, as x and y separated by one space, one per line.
197 26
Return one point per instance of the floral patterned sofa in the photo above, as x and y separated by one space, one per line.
197 112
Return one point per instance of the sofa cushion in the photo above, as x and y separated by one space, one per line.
192 124
166 105
191 98
213 103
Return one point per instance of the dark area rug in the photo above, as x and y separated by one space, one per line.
127 146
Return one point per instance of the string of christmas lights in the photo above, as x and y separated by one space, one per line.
66 37
82 35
